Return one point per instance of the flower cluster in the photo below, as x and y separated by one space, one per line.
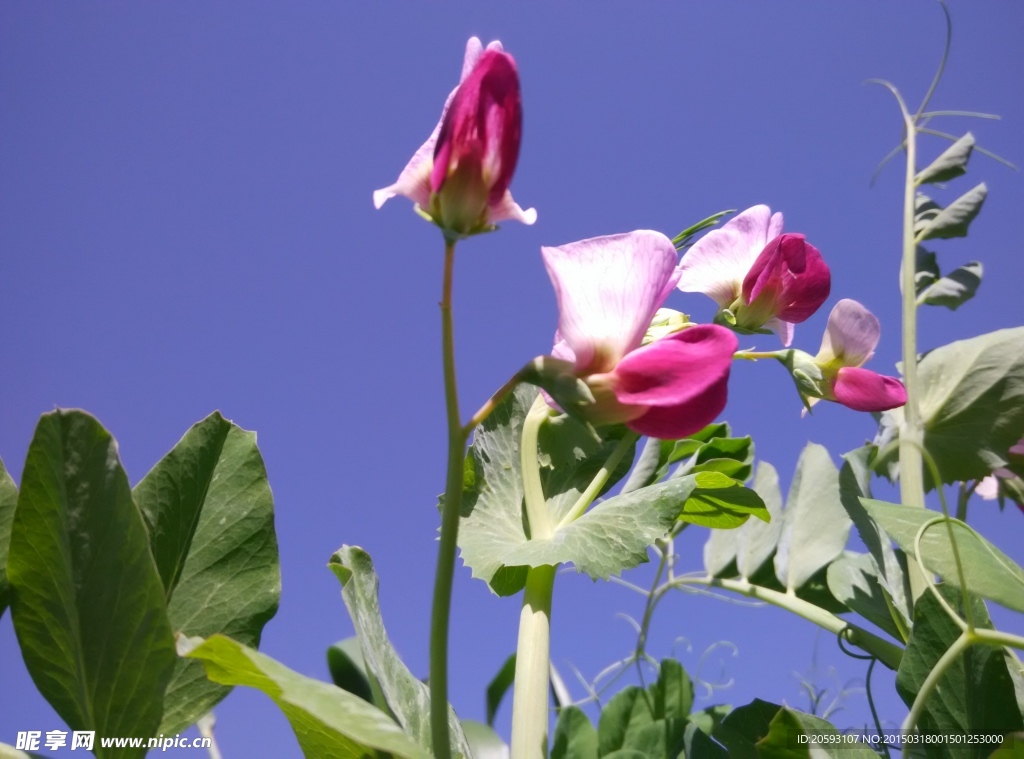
645 367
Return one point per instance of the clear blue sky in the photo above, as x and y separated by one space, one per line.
186 225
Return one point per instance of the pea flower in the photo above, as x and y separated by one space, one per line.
459 177
1005 482
608 290
759 277
836 373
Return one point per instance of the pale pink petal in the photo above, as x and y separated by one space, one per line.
508 209
988 488
682 380
608 289
851 335
718 262
474 49
783 329
864 390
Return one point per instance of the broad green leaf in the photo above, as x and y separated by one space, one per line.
499 686
623 718
974 695
784 739
814 525
720 501
210 515
927 270
720 552
613 535
8 502
348 671
972 405
1012 749
698 745
853 579
87 601
757 539
954 220
673 692
707 719
855 484
710 449
575 736
954 289
408 698
327 720
951 164
483 741
987 571
744 726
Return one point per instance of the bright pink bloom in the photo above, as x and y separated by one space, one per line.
761 277
608 290
460 176
849 341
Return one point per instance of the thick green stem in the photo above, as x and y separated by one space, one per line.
533 657
533 492
449 526
600 479
912 430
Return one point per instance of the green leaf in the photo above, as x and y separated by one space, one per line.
499 686
814 525
954 289
698 745
87 602
787 727
927 270
974 695
720 552
348 671
210 515
8 503
673 692
951 164
612 536
710 449
954 220
744 727
853 580
722 502
987 571
757 539
622 719
575 737
709 718
682 240
483 741
327 720
408 698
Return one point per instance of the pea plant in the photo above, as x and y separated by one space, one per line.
138 609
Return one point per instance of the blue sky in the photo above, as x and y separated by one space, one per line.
186 225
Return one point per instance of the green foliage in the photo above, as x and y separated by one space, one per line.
499 686
974 695
574 737
615 533
8 502
987 570
954 289
744 726
932 222
788 726
951 164
327 720
87 603
348 671
210 515
483 741
407 697
971 403
853 580
712 449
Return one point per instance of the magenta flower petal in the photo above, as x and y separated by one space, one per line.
718 262
682 380
608 289
864 390
850 336
414 181
789 279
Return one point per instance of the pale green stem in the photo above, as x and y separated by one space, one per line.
888 653
755 355
599 481
533 663
441 612
533 491
492 402
960 645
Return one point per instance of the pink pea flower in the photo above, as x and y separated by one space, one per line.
849 341
459 178
608 290
759 277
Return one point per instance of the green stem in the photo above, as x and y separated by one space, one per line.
449 526
911 431
588 495
533 664
492 402
960 645
533 491
888 653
